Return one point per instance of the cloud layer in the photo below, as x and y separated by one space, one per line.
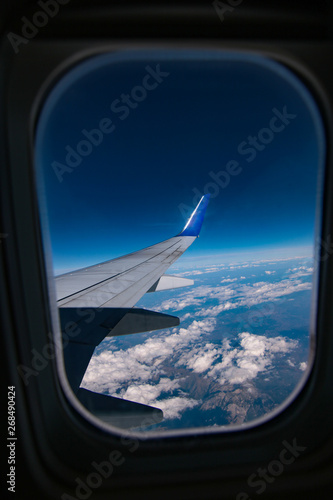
173 368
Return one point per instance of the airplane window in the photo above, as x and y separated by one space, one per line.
138 154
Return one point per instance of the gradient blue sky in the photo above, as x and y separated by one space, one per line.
135 188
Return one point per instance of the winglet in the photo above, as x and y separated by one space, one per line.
194 223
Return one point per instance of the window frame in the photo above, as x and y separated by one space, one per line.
61 434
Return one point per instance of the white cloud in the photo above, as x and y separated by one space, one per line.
186 299
215 310
199 359
232 295
191 273
186 316
301 271
148 393
235 365
179 304
174 407
275 261
254 355
303 366
264 291
212 269
129 373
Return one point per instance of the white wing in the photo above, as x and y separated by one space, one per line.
98 301
122 282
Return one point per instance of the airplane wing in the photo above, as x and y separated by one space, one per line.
99 300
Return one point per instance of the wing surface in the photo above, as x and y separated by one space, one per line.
120 282
123 281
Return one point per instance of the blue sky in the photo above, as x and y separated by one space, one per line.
172 126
